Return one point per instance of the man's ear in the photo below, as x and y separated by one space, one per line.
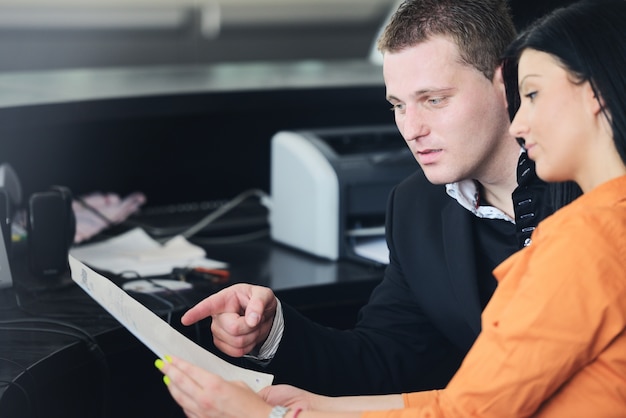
498 82
508 90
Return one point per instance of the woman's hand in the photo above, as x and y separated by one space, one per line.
205 395
292 397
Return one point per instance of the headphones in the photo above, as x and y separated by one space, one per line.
51 226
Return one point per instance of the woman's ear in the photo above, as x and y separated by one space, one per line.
594 101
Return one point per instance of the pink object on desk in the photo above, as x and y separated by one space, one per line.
98 211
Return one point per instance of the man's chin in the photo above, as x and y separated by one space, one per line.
438 178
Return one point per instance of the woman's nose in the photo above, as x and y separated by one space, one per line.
518 128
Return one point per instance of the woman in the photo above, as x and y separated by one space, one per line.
553 341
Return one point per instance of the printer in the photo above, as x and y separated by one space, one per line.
329 187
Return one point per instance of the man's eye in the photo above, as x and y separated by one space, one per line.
436 101
395 107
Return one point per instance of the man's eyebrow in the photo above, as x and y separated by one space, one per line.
418 93
438 90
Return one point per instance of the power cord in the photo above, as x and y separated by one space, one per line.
233 239
131 276
29 403
93 210
222 210
167 291
168 232
91 343
72 301
9 383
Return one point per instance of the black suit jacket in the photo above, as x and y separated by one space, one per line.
421 319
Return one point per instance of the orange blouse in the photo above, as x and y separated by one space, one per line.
553 341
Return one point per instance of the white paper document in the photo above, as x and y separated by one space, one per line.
154 332
373 249
135 251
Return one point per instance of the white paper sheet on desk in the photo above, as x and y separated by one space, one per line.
154 332
135 251
373 249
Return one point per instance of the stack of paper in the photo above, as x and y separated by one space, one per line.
136 252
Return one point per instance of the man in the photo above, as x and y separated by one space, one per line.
447 93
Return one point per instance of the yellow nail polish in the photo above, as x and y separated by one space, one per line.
158 363
166 380
168 358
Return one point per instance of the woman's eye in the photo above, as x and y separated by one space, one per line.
531 96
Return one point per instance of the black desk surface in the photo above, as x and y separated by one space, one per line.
86 364
62 355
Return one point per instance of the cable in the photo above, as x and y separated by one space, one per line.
76 328
95 211
184 303
23 369
164 301
53 331
15 363
26 371
222 210
101 315
187 232
29 403
92 345
234 239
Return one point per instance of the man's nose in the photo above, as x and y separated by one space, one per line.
414 125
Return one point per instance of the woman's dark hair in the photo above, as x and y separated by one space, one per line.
588 38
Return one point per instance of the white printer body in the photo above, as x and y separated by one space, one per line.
329 186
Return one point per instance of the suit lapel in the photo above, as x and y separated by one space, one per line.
460 260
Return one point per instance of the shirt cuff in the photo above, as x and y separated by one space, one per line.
270 346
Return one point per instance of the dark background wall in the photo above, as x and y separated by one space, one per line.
191 147
175 149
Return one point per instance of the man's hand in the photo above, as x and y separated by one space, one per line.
242 317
